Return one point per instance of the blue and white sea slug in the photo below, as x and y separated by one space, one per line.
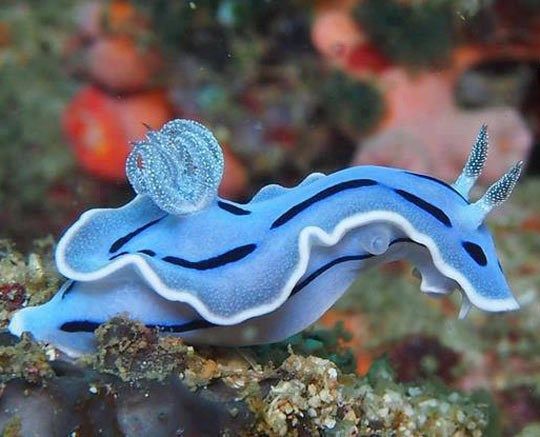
182 259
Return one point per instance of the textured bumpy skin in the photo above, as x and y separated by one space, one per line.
257 272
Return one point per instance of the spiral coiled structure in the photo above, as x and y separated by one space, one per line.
179 167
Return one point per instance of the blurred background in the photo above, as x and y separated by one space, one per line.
289 88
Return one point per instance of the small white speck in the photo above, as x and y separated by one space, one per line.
330 422
51 353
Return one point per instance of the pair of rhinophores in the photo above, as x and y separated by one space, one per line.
180 258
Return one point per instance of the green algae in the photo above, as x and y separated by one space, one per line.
356 106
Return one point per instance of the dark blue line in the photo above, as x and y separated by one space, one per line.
426 206
324 194
79 326
302 284
233 209
89 326
118 244
189 326
438 181
68 289
211 263
118 255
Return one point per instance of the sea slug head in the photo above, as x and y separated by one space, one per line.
470 258
178 167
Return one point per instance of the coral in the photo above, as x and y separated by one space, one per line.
119 65
343 42
419 131
100 126
12 296
335 34
424 128
33 92
134 352
131 351
25 359
123 66
29 280
426 410
306 399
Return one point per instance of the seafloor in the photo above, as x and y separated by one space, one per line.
400 364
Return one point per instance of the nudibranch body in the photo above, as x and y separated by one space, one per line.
182 259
